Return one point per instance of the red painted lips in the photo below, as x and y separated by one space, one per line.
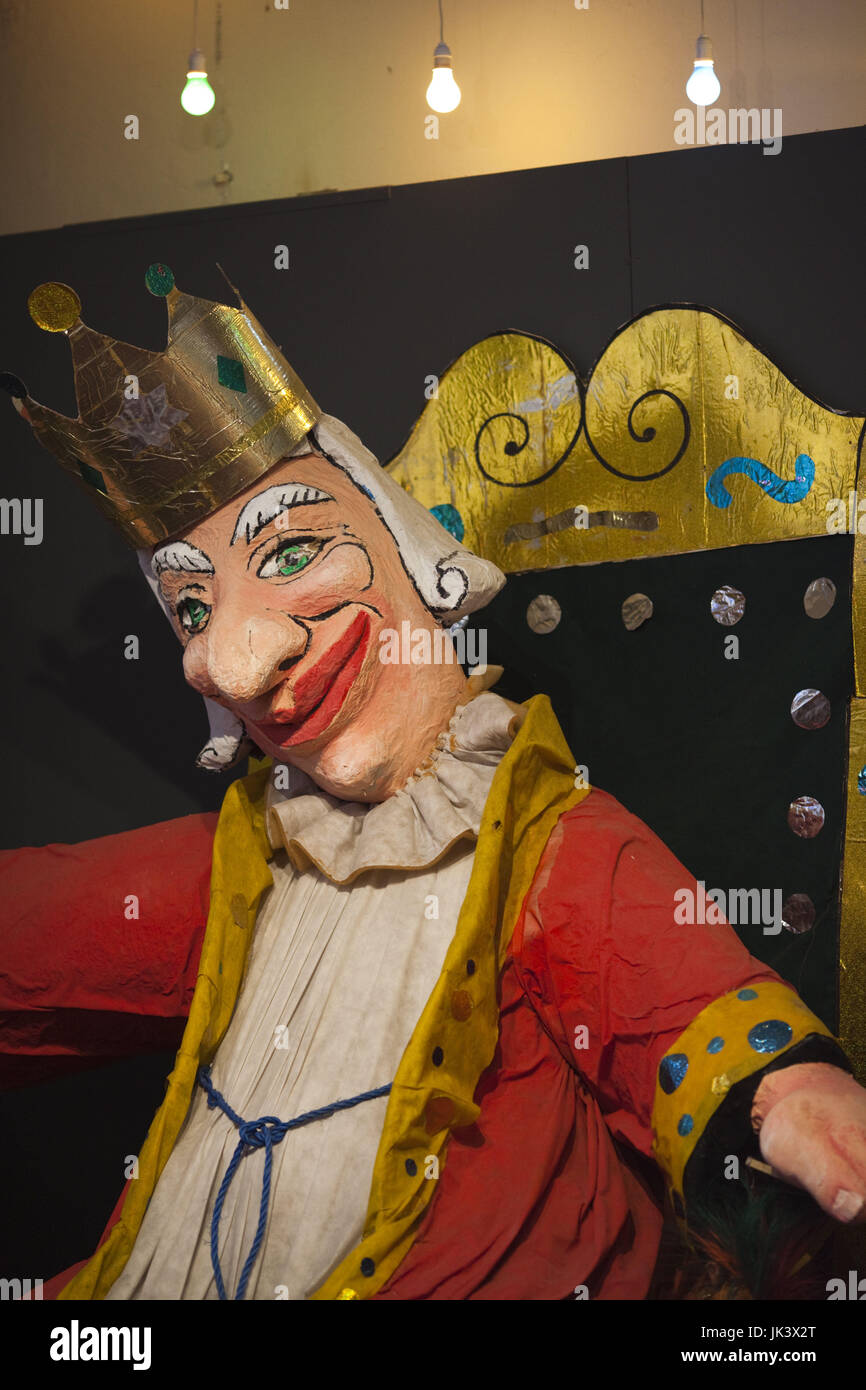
320 692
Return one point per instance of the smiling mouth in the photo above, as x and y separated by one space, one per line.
321 692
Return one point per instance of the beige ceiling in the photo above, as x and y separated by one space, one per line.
330 93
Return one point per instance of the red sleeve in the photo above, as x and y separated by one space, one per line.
99 946
598 947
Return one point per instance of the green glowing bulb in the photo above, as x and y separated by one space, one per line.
197 97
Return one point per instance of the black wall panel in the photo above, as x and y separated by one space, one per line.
385 287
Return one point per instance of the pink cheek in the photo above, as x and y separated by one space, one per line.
345 575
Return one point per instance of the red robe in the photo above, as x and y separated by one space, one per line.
548 1190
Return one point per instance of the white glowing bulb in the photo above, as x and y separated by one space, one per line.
703 86
197 97
443 94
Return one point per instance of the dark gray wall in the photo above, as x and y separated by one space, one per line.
386 286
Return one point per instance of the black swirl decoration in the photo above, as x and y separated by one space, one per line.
645 438
513 447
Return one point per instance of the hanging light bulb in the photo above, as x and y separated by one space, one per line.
197 97
703 86
443 94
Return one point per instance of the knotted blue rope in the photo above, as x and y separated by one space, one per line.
259 1134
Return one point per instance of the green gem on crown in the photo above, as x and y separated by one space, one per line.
159 279
92 477
230 373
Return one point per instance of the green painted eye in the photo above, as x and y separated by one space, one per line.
193 614
289 559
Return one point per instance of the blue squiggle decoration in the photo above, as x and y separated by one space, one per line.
780 489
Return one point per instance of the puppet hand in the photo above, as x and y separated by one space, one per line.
811 1118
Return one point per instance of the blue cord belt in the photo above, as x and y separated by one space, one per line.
259 1134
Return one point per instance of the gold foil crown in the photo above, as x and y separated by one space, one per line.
163 439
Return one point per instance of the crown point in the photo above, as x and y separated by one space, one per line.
159 279
54 307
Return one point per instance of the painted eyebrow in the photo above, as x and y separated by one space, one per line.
181 557
261 509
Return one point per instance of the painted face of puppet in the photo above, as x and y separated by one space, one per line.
279 599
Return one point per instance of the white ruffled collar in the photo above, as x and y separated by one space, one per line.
440 804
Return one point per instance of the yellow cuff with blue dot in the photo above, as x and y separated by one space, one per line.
732 1038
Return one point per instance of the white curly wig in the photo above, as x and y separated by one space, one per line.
451 581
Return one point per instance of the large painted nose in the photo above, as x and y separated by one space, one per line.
241 656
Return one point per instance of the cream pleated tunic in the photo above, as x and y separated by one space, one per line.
348 945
